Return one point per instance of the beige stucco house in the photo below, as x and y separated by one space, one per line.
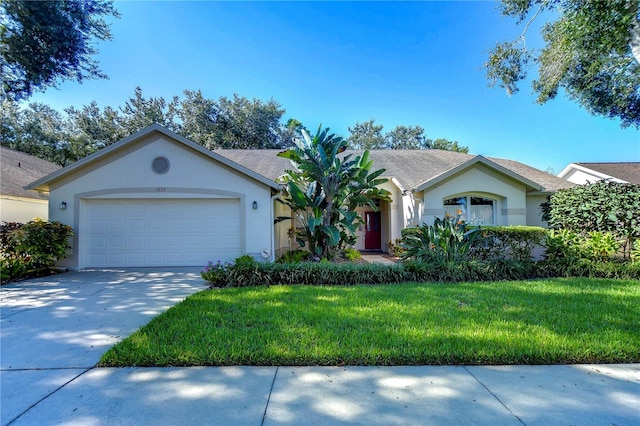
425 184
18 169
158 199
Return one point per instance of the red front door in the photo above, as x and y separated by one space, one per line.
372 240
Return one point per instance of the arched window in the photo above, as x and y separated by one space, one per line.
475 210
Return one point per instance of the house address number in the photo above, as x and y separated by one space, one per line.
161 189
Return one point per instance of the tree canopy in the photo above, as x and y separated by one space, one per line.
592 52
369 135
236 122
43 42
66 137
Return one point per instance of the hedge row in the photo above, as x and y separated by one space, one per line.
309 273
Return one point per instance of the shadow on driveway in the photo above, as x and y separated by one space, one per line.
69 320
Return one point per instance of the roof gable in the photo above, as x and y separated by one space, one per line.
624 171
479 159
116 148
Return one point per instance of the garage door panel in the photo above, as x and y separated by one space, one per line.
174 232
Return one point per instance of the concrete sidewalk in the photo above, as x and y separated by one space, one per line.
55 329
509 395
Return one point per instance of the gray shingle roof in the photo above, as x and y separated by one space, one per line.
629 172
20 169
548 181
410 167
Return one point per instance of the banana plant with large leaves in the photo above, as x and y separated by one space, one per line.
324 189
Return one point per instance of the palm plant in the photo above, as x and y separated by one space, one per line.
324 190
448 240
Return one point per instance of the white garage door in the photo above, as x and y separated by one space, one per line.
153 232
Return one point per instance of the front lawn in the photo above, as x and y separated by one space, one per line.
569 320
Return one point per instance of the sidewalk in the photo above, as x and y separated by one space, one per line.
422 395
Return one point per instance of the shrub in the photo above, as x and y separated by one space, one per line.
294 256
32 248
323 273
601 206
216 273
448 240
352 254
395 248
635 252
562 245
244 260
508 242
600 245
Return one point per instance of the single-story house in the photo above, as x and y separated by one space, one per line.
583 173
158 199
17 170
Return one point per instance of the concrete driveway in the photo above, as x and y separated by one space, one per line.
54 329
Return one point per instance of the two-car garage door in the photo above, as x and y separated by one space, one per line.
160 232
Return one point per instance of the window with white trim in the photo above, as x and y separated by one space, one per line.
474 210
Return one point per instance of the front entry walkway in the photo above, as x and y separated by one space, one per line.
378 258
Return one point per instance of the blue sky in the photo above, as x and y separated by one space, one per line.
337 63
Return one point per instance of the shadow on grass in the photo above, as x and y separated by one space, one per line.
526 322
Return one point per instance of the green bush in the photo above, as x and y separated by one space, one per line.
32 248
216 273
294 256
508 242
571 246
601 206
582 267
352 254
326 273
635 252
395 248
449 239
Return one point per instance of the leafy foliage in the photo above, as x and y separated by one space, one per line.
33 247
294 256
602 206
345 274
368 135
448 240
352 254
325 189
46 41
512 242
592 51
217 274
235 123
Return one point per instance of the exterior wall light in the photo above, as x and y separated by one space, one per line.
63 205
255 205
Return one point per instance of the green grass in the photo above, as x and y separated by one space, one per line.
571 320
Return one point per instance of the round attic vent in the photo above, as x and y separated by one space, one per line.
160 165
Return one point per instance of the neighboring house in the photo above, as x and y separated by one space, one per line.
158 199
18 170
583 173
